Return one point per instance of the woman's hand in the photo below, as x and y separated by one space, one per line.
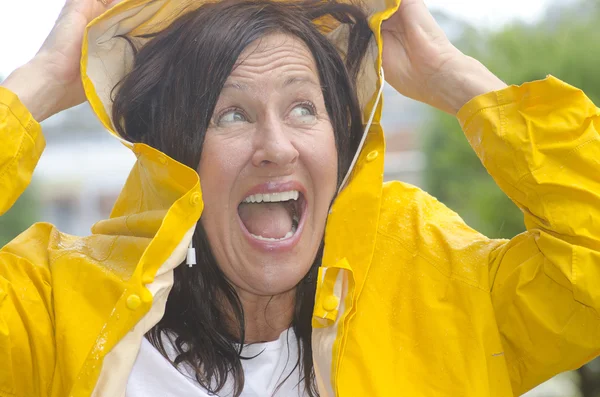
51 81
421 63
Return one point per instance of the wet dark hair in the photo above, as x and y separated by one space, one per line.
167 101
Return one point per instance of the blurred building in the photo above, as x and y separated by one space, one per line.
401 120
81 171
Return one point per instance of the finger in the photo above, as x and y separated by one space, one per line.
413 14
109 3
83 4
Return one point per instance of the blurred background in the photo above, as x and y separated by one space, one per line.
83 169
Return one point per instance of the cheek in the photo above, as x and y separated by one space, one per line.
220 165
321 158
325 155
329 157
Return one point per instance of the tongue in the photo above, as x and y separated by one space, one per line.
271 220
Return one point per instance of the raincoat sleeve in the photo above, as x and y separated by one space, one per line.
26 319
541 143
21 146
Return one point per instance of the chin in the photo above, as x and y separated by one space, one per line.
274 278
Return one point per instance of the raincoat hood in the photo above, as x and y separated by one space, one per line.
107 58
162 199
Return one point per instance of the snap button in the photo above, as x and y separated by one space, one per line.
133 301
372 155
195 198
331 303
162 160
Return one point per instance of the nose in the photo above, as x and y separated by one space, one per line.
273 146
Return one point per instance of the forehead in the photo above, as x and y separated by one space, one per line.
274 56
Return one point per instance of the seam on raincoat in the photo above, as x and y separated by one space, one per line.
339 346
477 113
574 284
501 102
29 123
550 211
501 113
28 127
110 249
126 223
445 273
112 83
17 156
567 155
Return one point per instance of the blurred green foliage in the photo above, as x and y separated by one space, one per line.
22 215
566 44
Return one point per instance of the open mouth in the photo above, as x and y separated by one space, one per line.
272 217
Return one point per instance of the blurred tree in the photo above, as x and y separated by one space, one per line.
566 44
22 215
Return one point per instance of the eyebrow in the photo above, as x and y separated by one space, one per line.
237 86
296 80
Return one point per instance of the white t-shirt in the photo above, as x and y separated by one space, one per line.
154 376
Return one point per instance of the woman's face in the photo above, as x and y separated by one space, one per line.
268 168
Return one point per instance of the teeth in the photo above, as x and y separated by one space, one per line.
288 234
272 197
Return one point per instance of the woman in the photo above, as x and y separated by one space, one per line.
378 290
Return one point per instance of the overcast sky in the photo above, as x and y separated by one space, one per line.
25 23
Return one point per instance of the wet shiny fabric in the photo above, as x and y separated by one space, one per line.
410 300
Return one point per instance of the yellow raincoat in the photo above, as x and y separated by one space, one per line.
410 302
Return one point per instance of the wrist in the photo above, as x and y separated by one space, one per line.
465 79
36 89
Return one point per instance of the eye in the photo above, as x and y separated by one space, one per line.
304 112
231 116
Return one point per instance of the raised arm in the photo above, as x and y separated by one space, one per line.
541 144
47 84
421 63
